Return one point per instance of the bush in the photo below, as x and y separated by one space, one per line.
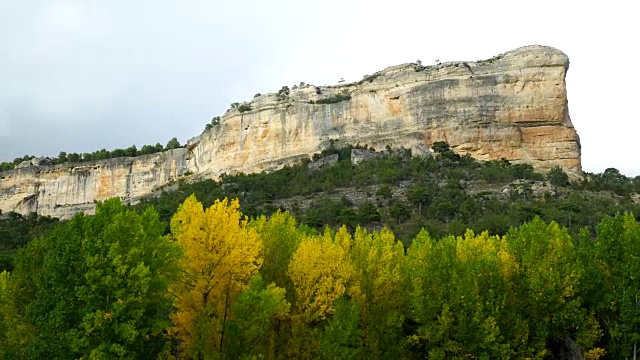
385 192
369 78
6 166
244 107
557 177
334 99
283 93
440 147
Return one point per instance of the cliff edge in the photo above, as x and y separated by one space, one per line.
512 106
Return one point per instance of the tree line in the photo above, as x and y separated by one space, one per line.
220 285
101 154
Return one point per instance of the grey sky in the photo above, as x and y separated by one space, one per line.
80 75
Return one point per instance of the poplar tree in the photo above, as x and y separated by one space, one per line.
221 255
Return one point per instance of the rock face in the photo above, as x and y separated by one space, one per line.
513 106
63 190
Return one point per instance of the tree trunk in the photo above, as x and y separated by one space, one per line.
224 319
635 343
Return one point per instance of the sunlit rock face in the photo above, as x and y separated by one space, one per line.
63 190
513 106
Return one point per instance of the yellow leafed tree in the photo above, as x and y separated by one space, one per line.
220 256
320 272
377 258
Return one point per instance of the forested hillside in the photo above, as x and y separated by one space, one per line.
445 194
398 256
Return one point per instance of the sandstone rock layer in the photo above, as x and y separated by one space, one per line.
513 106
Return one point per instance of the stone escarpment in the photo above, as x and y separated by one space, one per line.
63 190
513 106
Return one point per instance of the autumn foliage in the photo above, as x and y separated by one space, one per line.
221 286
220 256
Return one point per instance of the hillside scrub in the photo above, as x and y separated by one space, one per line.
446 194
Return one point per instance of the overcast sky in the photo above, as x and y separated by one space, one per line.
82 75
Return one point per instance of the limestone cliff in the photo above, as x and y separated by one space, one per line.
63 190
512 106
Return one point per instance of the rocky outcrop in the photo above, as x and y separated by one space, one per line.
358 156
325 161
513 106
421 151
34 162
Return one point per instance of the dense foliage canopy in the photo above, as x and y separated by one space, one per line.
95 287
220 286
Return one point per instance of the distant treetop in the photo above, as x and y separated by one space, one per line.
102 154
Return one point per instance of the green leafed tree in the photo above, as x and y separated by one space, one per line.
385 192
613 282
4 314
74 157
455 294
115 153
96 287
341 336
280 238
440 147
62 157
399 212
368 213
147 149
557 177
257 312
485 297
131 151
420 196
546 286
377 289
173 144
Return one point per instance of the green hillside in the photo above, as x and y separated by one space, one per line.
445 194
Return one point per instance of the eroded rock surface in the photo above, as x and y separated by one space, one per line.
358 156
63 190
324 162
513 106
